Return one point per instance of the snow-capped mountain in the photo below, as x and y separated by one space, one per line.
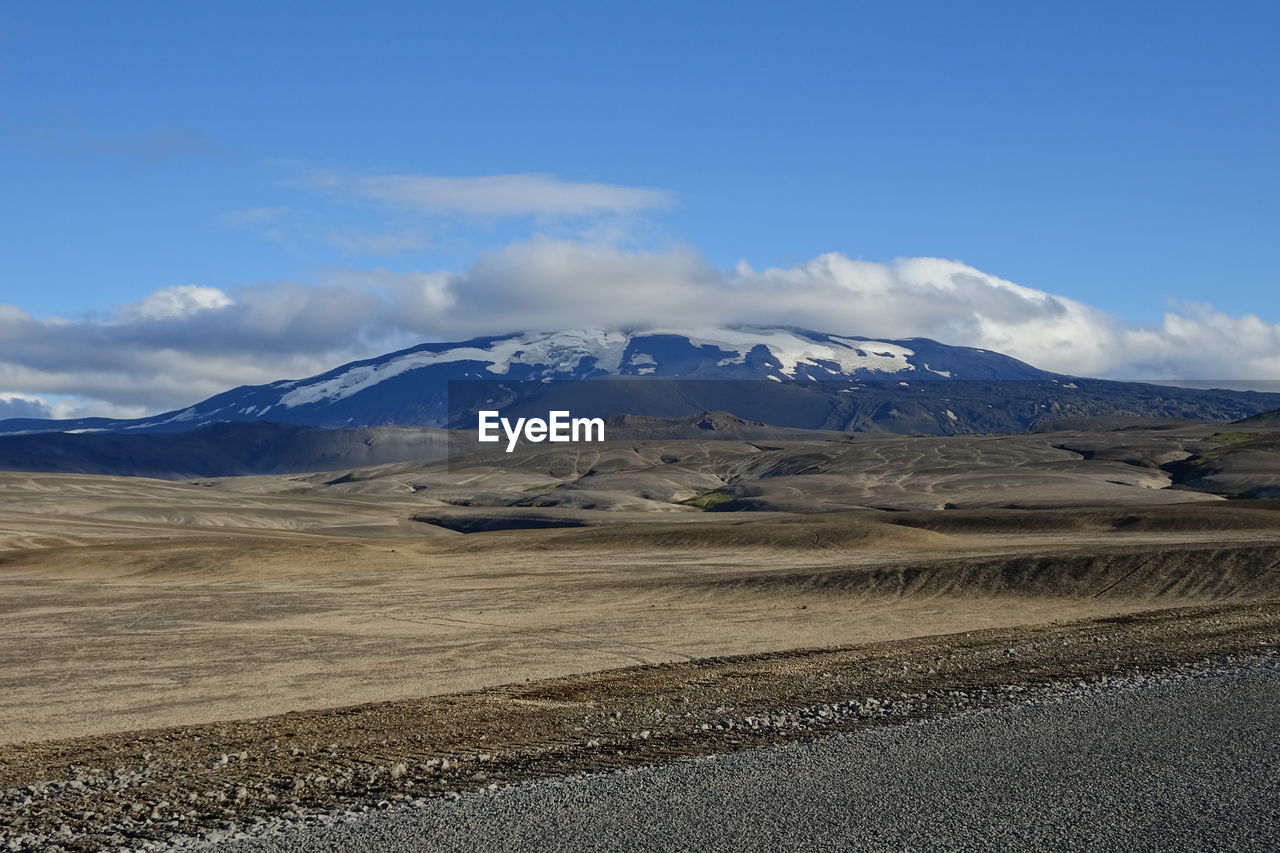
816 380
407 387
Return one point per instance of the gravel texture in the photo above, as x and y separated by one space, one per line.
187 787
1182 760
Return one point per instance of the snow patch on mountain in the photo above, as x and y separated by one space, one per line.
411 386
560 353
792 354
835 355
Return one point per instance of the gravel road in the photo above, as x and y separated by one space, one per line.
1188 764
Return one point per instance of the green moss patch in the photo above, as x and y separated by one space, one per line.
709 500
1232 437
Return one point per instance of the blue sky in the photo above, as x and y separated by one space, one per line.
1117 154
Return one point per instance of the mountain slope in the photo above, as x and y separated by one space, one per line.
1264 419
220 450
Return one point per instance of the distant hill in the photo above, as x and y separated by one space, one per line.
783 377
219 450
1266 419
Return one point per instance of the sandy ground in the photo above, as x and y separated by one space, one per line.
82 653
132 603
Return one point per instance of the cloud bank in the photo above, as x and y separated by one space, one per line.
184 343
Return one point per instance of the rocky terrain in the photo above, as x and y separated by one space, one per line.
1184 758
154 790
808 473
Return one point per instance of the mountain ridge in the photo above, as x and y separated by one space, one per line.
785 354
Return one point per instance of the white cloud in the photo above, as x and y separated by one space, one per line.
54 406
496 196
185 343
550 284
175 303
24 406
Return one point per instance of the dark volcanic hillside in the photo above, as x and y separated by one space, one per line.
219 450
1266 419
955 407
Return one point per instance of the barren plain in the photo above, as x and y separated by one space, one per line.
136 607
